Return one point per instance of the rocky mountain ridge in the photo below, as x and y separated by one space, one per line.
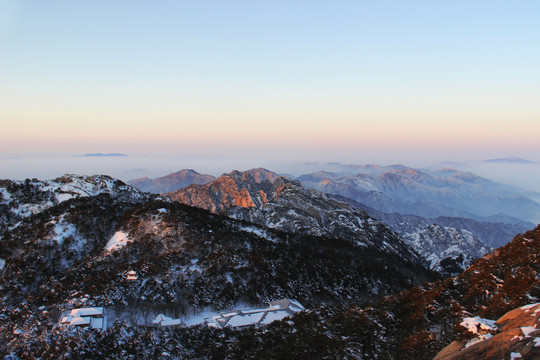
284 204
278 203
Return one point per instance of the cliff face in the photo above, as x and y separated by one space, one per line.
234 189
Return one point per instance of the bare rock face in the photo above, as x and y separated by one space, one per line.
249 189
517 336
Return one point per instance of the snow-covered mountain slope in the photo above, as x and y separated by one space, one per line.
282 204
75 253
493 234
101 235
189 260
20 199
448 250
172 181
446 192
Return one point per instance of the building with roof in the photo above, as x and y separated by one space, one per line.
165 321
85 317
276 310
130 275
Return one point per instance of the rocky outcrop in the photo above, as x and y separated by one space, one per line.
249 189
516 336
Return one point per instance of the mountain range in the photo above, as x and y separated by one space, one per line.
373 196
510 160
264 198
266 238
443 192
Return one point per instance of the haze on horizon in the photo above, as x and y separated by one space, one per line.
242 84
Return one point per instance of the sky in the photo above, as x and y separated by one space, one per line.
238 84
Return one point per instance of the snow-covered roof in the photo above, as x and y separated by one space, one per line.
96 323
277 310
67 320
286 304
161 318
274 315
245 319
93 317
80 321
172 322
94 311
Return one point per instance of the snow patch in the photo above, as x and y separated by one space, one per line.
262 233
480 327
5 195
2 264
530 306
526 330
515 355
194 266
64 197
64 230
119 240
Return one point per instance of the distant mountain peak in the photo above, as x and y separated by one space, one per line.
262 174
103 155
510 160
171 182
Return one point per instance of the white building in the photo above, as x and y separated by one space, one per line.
89 317
165 321
276 310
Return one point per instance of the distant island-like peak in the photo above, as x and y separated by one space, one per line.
510 160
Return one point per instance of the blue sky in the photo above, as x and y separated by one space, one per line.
350 81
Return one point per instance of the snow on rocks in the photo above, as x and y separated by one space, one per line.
482 328
63 230
514 335
30 197
478 325
260 232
